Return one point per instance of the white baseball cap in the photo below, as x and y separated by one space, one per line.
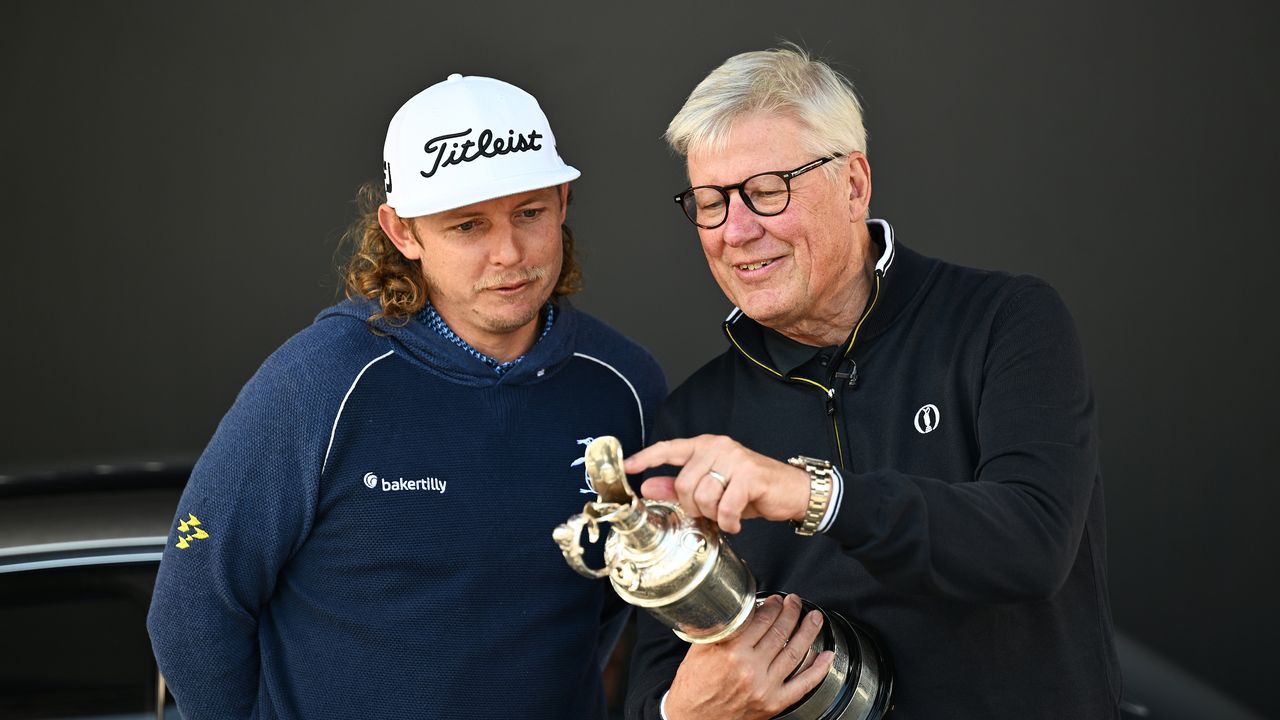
466 140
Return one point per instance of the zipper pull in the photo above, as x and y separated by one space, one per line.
831 402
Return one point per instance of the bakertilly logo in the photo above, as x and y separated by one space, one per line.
430 484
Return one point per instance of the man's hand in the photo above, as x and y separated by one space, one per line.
722 480
745 676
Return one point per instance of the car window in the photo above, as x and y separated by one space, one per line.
76 644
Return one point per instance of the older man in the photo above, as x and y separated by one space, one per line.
365 536
916 440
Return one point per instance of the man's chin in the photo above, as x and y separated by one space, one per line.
766 311
508 314
508 322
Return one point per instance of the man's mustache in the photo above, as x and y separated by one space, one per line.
511 277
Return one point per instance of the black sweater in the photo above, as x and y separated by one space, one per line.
970 536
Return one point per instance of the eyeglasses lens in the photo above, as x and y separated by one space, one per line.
765 194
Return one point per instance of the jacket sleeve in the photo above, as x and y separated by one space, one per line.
1012 530
245 510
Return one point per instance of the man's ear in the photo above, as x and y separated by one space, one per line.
564 199
858 170
397 228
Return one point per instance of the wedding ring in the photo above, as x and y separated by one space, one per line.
724 481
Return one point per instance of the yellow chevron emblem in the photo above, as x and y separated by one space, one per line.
190 522
186 527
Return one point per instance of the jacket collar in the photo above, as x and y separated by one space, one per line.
899 274
422 344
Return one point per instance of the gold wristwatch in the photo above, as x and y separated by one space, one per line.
821 478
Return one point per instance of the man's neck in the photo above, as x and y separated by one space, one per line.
845 309
496 347
505 347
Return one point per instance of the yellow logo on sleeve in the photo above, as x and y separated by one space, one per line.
186 528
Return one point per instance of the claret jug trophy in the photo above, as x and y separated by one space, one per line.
683 572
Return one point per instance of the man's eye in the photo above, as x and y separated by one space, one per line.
467 226
531 213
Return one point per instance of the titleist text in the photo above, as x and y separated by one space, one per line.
485 145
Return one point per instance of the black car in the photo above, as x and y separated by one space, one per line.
78 558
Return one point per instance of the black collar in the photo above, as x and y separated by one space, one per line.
899 275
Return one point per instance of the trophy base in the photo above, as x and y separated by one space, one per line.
859 684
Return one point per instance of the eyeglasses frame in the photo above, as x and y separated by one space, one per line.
724 191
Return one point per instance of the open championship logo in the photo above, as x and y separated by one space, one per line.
927 419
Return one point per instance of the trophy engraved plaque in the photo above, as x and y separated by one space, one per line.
683 572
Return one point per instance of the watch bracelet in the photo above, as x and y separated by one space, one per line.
821 480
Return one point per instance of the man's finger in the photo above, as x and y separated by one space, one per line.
707 494
732 505
691 477
659 488
801 640
779 632
765 613
803 682
667 452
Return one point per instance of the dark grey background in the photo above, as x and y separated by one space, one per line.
175 179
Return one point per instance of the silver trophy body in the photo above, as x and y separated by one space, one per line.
682 572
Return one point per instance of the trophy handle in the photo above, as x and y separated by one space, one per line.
567 535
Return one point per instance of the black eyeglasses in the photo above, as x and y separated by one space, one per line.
767 194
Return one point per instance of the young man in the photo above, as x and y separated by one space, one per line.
367 533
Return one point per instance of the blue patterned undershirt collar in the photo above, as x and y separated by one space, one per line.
432 319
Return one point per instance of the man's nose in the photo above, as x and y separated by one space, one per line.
742 225
506 248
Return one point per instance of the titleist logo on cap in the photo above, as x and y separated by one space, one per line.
454 124
485 145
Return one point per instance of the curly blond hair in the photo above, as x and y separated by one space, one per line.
376 269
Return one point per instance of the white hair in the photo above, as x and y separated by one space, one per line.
784 81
